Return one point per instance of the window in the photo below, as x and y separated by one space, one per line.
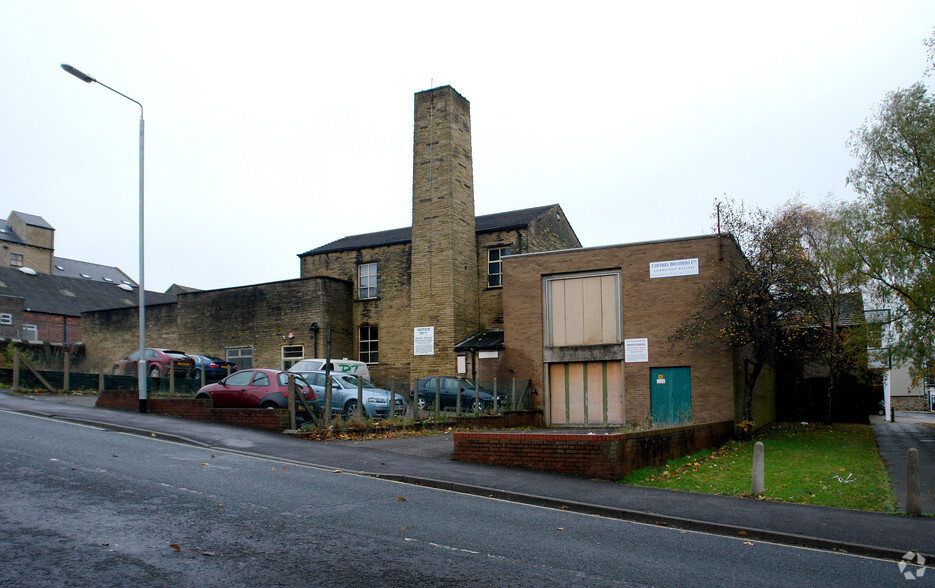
239 379
291 354
241 356
6 319
16 259
368 344
583 310
367 281
30 332
260 379
495 266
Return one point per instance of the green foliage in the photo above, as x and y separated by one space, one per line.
891 228
835 466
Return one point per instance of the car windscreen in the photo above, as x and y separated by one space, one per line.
178 355
352 381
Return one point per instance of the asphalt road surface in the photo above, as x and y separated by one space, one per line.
85 506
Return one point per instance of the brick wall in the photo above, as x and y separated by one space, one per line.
608 456
200 410
649 308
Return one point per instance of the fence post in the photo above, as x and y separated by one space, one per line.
458 399
203 374
290 378
15 370
438 397
171 377
913 501
495 396
360 399
65 370
757 485
100 381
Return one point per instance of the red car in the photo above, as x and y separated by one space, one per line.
255 388
157 363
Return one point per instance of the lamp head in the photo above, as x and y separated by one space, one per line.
78 74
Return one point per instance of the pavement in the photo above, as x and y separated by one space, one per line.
426 461
894 439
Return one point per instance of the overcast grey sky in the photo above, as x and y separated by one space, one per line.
275 127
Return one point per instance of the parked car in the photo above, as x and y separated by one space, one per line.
255 388
157 363
344 366
214 367
448 394
344 395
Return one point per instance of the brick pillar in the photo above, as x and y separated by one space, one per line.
444 246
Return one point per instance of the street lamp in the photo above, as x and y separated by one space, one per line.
141 363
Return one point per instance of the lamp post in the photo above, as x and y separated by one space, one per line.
141 362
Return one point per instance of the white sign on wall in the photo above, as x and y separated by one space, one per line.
636 350
424 340
672 268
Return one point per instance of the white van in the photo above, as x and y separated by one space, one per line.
342 366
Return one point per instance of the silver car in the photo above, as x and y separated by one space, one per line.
344 395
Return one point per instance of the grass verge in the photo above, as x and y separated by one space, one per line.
836 466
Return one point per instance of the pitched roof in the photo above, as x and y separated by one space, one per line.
8 234
70 296
72 268
502 221
33 220
489 339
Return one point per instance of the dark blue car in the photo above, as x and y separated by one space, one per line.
215 368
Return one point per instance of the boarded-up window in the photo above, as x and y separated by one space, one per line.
583 310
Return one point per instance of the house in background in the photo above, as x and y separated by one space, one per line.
42 296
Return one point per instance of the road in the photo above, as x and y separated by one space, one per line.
81 505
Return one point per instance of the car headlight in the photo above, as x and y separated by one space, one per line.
376 400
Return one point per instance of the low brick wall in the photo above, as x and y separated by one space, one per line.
595 454
200 410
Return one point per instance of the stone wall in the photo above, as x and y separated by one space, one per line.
261 317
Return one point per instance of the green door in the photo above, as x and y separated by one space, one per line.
671 395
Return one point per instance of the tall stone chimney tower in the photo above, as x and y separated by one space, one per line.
444 291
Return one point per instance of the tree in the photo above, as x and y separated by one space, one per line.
752 310
891 227
835 333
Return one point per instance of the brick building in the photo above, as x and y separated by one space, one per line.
441 278
591 329
42 295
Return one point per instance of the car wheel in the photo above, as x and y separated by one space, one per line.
269 404
202 396
478 406
350 410
154 372
422 403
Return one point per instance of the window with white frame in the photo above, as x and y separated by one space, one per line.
6 318
366 281
30 332
16 259
368 348
292 354
495 266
